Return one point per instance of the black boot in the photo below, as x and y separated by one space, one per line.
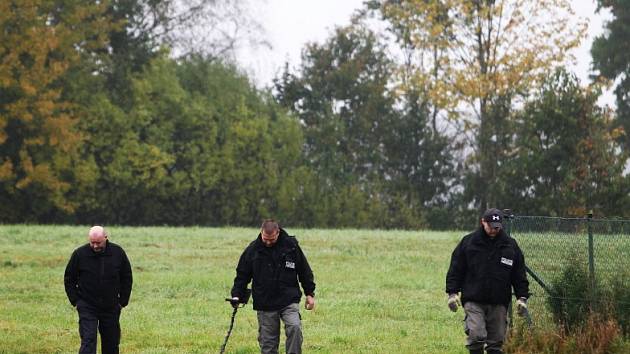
475 351
494 351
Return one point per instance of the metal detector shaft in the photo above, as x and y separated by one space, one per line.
229 331
528 319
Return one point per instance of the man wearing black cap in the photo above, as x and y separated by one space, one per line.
485 266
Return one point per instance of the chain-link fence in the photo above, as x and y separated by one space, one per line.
574 265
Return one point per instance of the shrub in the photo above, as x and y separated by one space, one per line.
571 296
591 317
620 303
596 335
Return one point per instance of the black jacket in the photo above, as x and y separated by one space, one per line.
101 279
274 272
486 270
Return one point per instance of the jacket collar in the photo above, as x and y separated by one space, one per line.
482 237
106 252
282 237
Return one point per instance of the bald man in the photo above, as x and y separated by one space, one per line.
98 283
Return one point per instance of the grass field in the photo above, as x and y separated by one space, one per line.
377 291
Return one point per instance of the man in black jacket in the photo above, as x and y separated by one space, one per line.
275 263
98 282
485 266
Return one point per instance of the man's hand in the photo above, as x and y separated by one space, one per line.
453 302
521 306
310 302
235 301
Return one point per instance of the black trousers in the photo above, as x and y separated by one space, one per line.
107 322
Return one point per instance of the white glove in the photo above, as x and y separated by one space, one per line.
453 302
521 306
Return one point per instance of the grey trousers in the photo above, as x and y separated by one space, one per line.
269 330
485 324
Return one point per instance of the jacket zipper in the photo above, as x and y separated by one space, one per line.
102 269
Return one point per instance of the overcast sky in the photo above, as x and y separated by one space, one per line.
290 24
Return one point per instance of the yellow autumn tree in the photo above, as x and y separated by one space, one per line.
474 60
40 40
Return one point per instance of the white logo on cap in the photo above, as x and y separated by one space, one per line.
495 217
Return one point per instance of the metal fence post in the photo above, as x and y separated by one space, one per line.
507 214
591 256
507 218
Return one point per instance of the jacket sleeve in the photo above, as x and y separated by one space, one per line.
519 276
71 279
456 271
244 274
126 280
305 274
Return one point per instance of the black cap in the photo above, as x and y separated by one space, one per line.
494 217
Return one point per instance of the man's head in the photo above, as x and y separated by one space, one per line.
97 237
269 232
492 221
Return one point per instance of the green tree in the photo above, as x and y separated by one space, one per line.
611 57
257 145
186 27
128 150
475 59
200 145
342 100
565 158
40 42
420 162
374 152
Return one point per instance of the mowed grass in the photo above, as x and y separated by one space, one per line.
377 291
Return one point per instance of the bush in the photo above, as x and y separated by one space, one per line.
590 317
571 296
574 297
620 303
596 335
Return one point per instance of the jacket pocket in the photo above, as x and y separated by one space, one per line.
288 267
505 263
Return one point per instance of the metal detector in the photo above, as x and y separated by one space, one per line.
528 319
241 303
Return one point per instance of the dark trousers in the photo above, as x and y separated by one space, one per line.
106 322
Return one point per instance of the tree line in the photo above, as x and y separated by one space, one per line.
119 112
